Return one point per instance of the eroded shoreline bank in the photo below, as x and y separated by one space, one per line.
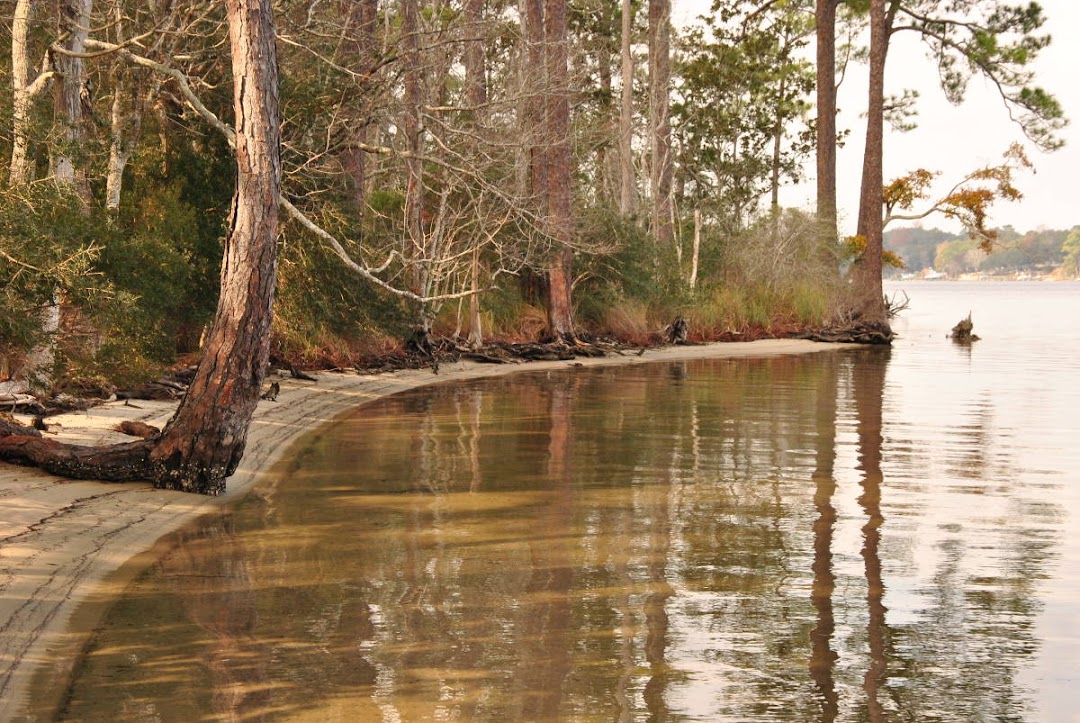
60 540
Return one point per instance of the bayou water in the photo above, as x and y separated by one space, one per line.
840 536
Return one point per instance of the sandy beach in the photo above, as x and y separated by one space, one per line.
65 544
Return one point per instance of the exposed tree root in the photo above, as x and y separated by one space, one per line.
8 426
125 462
853 333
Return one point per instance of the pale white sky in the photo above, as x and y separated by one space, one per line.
958 139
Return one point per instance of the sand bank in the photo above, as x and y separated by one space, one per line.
63 542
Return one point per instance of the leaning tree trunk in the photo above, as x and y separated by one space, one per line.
203 443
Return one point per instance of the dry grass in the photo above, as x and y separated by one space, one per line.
629 321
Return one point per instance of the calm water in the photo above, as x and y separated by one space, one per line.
848 536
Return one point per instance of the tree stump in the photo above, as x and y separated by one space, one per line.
678 331
962 332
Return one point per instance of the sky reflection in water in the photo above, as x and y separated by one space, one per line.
839 536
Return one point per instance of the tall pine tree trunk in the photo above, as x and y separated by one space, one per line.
415 242
364 14
19 172
826 123
660 119
627 181
537 89
476 96
559 190
869 303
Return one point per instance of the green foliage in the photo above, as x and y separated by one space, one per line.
746 309
634 270
958 257
771 278
164 250
743 81
321 308
1033 252
993 39
47 250
1070 264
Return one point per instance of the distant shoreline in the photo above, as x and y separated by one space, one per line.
981 277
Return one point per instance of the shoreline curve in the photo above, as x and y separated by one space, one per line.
65 544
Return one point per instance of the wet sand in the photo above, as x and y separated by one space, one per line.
63 542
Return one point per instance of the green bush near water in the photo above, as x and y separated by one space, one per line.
146 281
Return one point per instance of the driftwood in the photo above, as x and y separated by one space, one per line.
449 351
138 429
166 388
19 402
544 352
283 363
8 426
485 358
855 333
150 391
962 332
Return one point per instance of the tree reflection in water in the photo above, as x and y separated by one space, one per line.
869 389
822 656
699 541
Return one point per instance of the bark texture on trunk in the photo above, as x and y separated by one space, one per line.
826 118
660 119
364 13
71 94
627 181
19 171
203 443
559 191
415 242
476 96
535 74
869 302
474 60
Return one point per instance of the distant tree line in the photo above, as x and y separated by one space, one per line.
1041 251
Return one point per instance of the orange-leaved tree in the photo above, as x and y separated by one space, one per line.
969 201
